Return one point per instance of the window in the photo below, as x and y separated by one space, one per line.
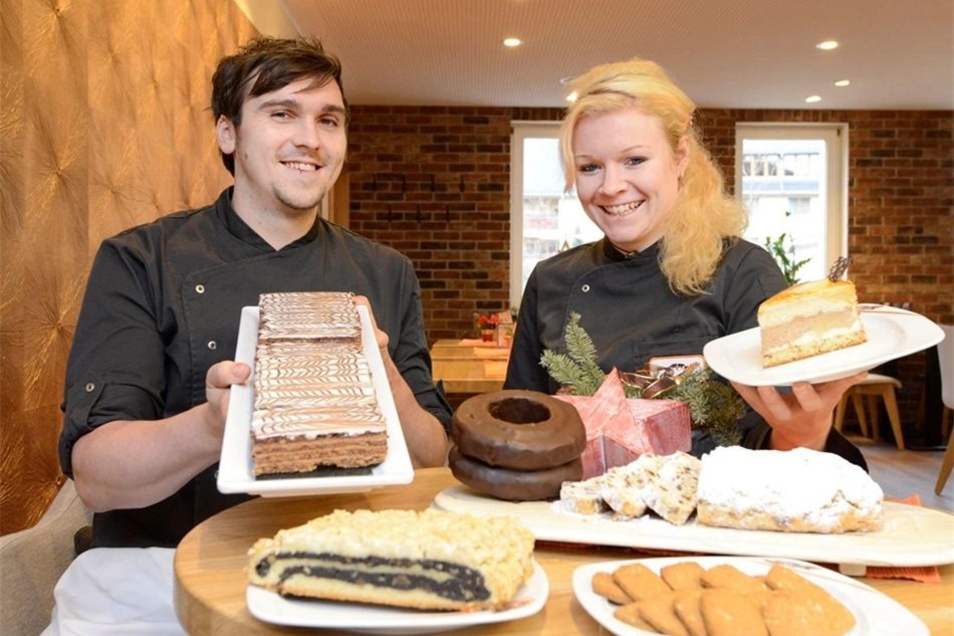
792 181
544 219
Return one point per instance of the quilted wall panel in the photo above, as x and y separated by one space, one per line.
104 124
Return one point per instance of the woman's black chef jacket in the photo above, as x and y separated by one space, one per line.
163 304
631 314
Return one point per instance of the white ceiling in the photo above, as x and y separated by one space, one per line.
898 54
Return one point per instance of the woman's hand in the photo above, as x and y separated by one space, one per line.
802 417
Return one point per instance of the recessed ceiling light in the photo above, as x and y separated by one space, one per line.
812 99
842 82
827 45
512 42
572 97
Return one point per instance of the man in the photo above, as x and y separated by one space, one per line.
148 377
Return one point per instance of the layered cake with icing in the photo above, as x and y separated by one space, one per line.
315 403
431 560
799 490
809 319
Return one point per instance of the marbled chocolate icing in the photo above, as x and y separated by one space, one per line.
318 420
308 315
313 386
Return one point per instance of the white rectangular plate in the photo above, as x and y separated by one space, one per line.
235 464
374 619
891 546
874 612
891 332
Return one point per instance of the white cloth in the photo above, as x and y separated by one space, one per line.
116 592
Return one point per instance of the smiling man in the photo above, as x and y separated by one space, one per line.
286 148
148 377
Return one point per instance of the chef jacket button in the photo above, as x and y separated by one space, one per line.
212 345
586 289
200 289
90 387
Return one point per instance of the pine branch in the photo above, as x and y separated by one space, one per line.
571 375
713 406
579 345
577 369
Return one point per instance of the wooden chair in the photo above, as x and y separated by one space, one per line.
945 356
873 387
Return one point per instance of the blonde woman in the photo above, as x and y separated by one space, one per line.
671 272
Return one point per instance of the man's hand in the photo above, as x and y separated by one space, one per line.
425 436
218 382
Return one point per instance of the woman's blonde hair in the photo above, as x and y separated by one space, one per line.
703 215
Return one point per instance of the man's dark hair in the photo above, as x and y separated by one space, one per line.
264 65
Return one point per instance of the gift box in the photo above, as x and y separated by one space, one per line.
618 430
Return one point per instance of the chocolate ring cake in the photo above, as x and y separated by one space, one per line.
517 445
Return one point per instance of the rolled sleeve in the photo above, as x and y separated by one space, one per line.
95 401
115 370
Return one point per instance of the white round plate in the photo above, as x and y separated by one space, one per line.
874 612
391 621
891 332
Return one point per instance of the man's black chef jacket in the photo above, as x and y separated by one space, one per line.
163 304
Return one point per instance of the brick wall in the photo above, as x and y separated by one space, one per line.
900 198
434 183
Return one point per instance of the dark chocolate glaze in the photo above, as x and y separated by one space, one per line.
513 485
521 430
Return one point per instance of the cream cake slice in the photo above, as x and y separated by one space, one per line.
431 560
808 319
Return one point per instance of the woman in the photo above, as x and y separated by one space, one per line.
672 271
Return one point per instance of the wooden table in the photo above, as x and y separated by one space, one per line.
469 366
211 582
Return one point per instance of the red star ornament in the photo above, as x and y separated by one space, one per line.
619 430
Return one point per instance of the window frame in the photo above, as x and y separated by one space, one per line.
520 131
835 136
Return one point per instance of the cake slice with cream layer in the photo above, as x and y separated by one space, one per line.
809 319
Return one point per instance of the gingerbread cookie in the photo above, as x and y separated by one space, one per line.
685 574
605 586
728 613
640 582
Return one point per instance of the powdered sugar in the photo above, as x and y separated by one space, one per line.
815 488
